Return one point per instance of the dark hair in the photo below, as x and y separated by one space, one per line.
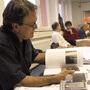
15 12
68 23
54 25
54 45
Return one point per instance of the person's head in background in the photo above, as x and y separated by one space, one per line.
20 17
89 26
56 27
85 27
68 24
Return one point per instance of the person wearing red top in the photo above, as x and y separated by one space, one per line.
70 34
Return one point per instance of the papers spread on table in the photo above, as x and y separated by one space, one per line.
57 58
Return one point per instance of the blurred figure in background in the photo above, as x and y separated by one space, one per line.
83 31
70 34
57 36
88 31
60 20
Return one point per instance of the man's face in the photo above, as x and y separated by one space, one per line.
69 27
26 30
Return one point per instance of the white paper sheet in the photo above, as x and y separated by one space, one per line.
50 87
52 71
56 58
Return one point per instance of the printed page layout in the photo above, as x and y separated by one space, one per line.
55 59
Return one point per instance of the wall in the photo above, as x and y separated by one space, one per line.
1 10
67 5
47 13
53 11
77 11
76 14
85 6
42 39
73 10
43 12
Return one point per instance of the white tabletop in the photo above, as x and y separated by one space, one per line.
51 87
85 68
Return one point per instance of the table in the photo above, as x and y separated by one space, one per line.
84 68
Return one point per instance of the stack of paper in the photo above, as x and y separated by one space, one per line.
55 59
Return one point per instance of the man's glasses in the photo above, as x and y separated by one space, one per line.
32 26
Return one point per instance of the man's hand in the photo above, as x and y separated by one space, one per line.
63 75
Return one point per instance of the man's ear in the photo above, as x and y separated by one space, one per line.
15 26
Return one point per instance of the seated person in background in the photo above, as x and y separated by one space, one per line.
57 36
16 50
70 34
83 30
88 31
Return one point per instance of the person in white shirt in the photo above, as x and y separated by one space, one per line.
57 36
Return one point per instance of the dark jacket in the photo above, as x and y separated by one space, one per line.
82 34
71 38
15 59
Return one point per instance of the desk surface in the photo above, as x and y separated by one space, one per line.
85 68
51 87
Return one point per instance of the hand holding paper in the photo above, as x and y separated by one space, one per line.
64 73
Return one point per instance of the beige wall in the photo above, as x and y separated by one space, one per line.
47 13
53 11
76 14
1 10
77 11
67 10
72 10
